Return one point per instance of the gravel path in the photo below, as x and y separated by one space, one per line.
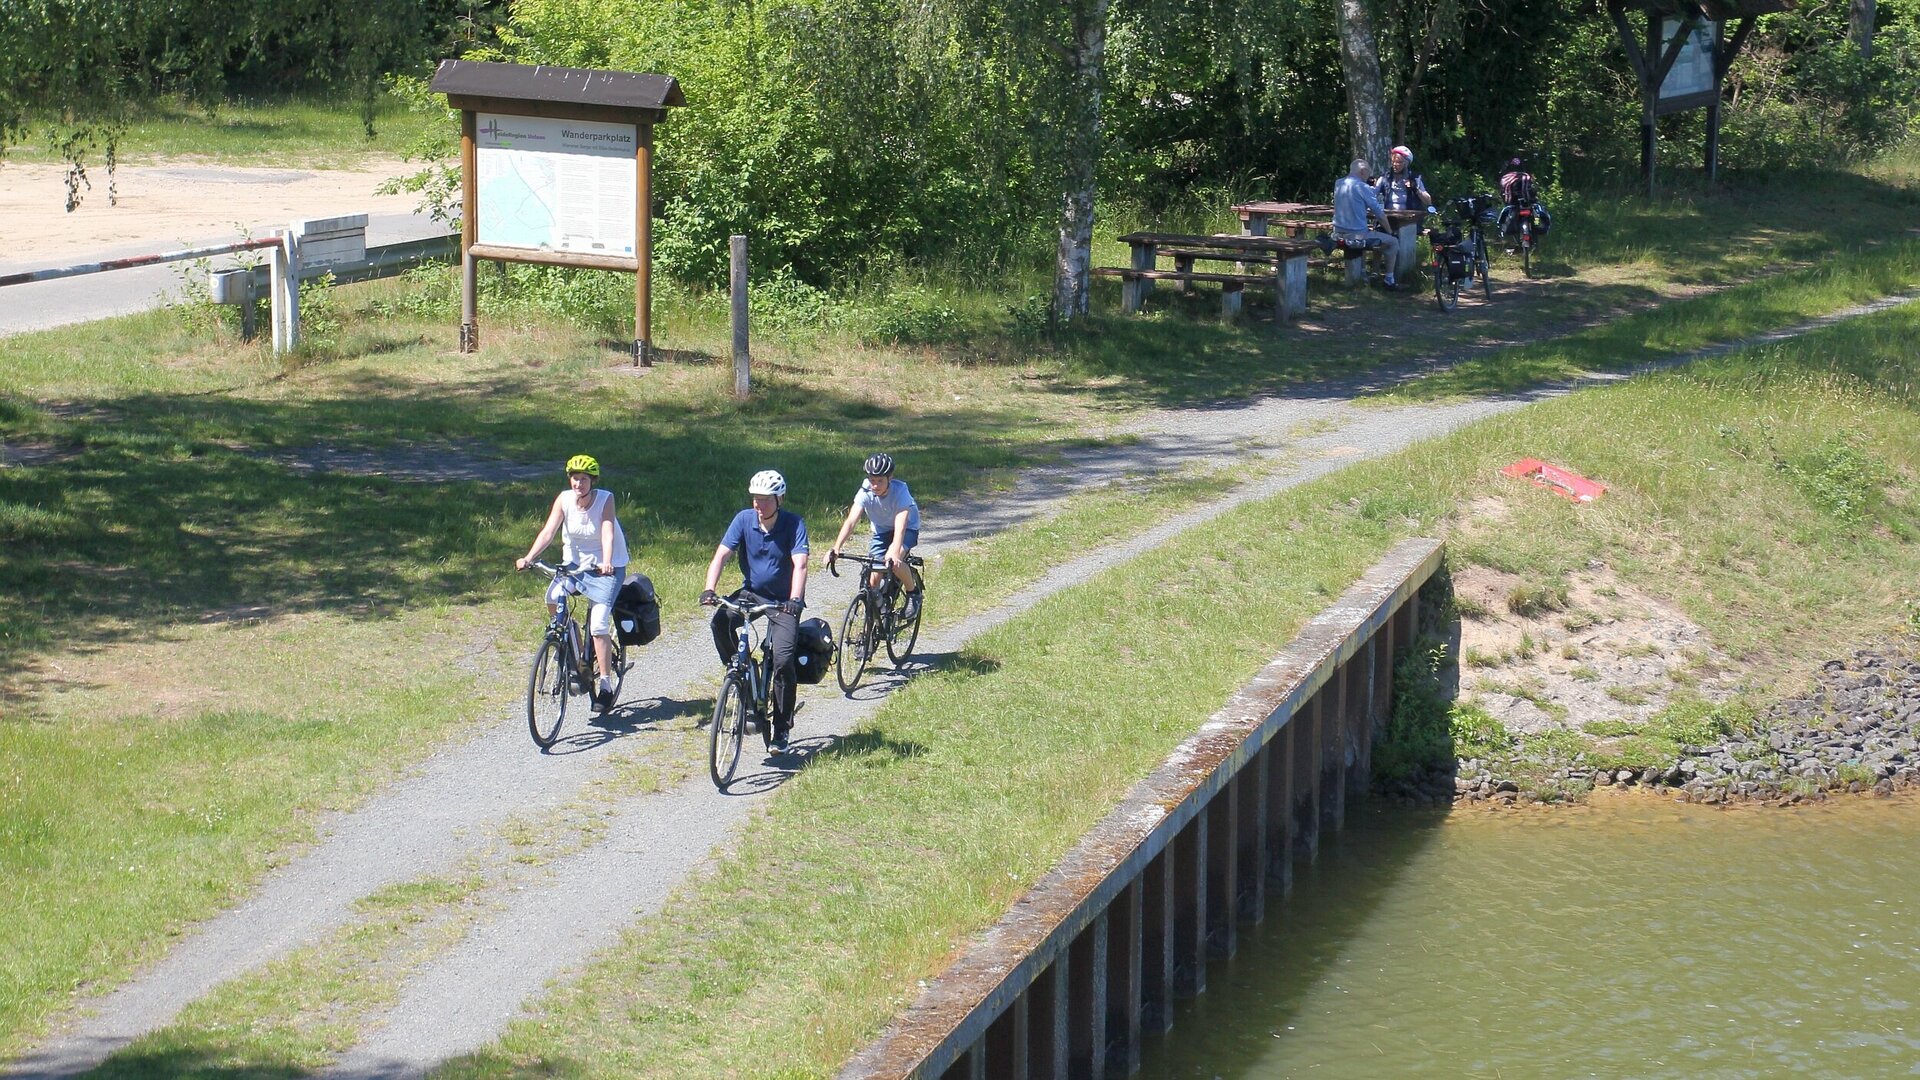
551 923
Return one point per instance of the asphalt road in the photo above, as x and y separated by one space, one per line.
42 305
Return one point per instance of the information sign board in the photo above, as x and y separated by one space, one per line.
556 185
1692 73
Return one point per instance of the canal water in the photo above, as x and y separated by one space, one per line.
1636 938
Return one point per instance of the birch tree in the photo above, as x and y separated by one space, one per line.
1081 158
1367 113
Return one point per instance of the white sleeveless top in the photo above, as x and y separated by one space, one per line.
580 533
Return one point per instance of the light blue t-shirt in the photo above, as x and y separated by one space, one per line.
882 510
1352 198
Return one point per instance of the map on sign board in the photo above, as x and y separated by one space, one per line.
1692 71
555 185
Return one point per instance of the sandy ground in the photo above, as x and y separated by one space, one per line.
174 204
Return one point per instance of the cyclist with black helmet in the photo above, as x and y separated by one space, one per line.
896 525
1516 190
590 538
772 547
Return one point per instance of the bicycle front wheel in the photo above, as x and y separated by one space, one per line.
902 631
548 687
856 644
727 732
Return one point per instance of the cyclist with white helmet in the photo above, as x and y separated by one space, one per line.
772 547
896 525
590 538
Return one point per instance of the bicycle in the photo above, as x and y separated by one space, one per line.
746 694
1460 251
565 665
880 616
1525 229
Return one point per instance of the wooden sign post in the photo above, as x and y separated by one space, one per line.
1683 60
557 168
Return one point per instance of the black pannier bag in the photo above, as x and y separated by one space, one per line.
815 654
636 611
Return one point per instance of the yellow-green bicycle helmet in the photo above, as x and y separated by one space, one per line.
583 463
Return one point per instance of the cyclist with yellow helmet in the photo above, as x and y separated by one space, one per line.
590 538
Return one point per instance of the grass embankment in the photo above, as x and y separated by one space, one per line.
203 647
896 846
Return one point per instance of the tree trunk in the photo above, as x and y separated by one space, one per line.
1081 174
1366 93
1860 23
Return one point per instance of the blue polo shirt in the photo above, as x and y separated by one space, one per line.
766 556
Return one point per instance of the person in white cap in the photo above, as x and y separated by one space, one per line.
1400 187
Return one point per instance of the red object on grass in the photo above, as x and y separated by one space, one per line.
1563 482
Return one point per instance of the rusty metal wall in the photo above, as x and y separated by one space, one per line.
1087 964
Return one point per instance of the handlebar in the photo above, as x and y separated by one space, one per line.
555 571
867 561
749 609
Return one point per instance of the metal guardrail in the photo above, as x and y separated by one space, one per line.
385 261
330 245
58 272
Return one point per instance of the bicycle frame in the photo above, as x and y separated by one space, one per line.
759 673
579 653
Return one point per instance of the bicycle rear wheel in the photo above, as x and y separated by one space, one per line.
548 687
1526 250
1486 279
1446 291
902 631
856 643
617 659
727 732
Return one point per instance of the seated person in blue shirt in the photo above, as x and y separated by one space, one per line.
1353 200
896 525
772 543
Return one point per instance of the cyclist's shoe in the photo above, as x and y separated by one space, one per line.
780 736
912 610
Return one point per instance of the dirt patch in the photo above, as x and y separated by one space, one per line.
171 203
20 452
425 464
1539 658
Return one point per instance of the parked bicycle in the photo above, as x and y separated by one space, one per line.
1526 229
876 618
1459 246
745 703
564 666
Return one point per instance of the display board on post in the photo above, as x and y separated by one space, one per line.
557 168
1682 61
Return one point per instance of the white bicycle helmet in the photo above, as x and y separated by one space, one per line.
767 482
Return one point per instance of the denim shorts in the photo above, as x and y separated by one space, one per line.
877 549
597 589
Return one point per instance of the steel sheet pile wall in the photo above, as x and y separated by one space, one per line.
1088 963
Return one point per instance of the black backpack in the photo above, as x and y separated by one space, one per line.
636 611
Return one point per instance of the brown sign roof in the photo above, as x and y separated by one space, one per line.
1719 10
564 85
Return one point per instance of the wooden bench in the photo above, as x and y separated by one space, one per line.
1287 257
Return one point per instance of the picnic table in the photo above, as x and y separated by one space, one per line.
1287 256
1261 215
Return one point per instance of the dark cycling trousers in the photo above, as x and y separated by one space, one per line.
783 632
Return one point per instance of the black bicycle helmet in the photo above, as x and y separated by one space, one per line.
880 465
